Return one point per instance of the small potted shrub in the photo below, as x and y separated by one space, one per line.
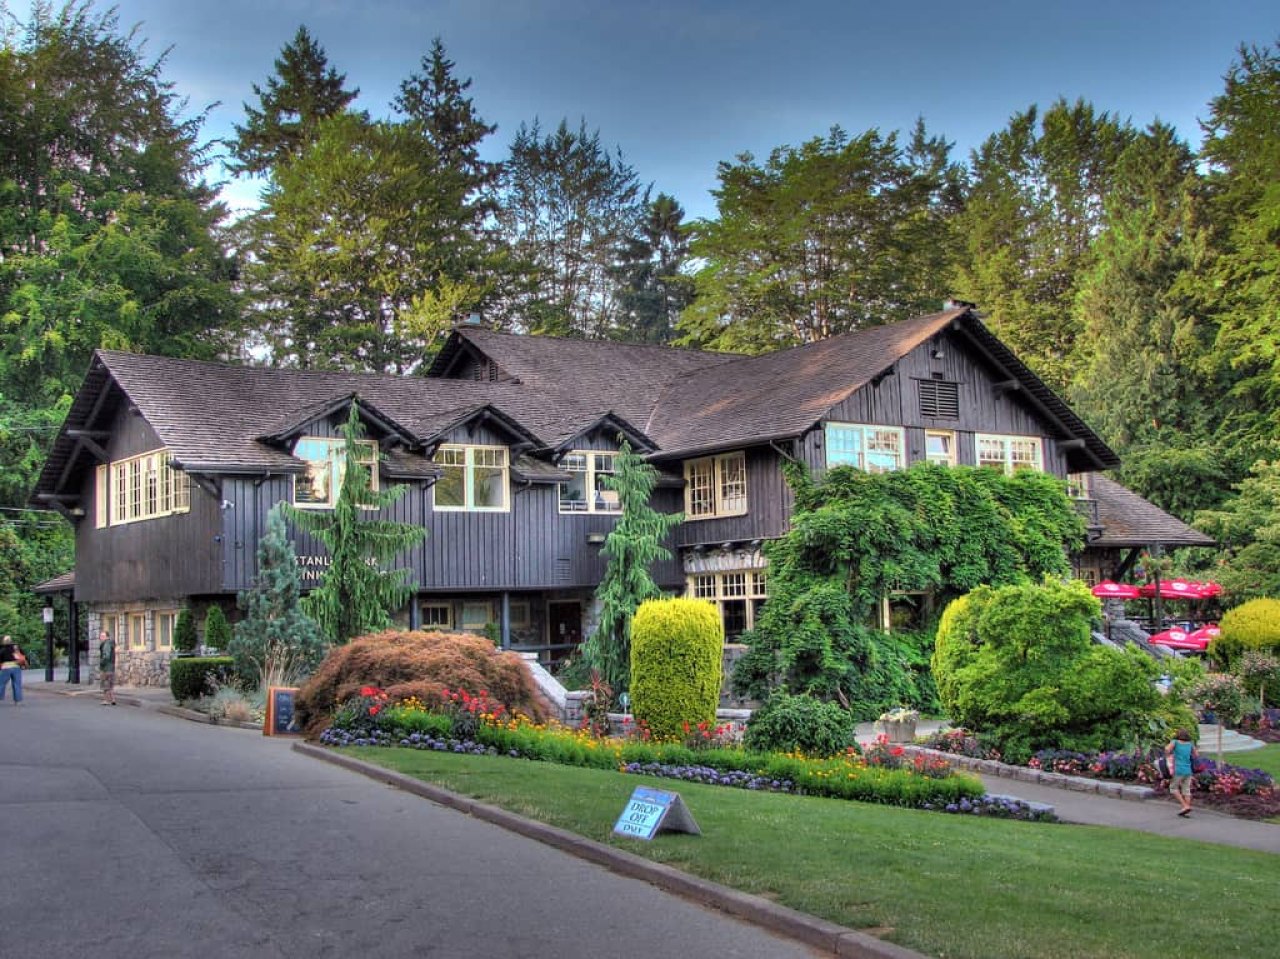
899 724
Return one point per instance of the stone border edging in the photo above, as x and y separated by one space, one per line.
811 930
1080 784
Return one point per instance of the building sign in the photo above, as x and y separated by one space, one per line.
650 811
311 569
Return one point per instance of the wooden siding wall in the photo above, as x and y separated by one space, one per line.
166 558
983 408
768 506
531 547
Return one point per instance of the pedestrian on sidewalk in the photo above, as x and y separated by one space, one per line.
1181 754
12 663
107 667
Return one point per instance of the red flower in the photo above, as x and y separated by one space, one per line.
374 710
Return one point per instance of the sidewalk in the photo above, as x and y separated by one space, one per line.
1157 816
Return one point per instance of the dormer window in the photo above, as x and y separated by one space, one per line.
472 479
326 466
585 492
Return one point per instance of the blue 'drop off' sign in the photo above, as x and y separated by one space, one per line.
649 811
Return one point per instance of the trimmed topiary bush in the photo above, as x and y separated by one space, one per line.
420 664
217 631
1254 625
189 676
184 634
1018 664
676 649
788 724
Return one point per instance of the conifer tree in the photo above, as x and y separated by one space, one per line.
356 595
303 91
217 631
276 641
184 634
633 546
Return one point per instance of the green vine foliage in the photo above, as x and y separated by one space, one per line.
857 537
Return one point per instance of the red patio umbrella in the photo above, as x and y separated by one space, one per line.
1109 590
1205 634
1173 589
1209 590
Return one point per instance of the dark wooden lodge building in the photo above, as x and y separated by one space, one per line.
168 467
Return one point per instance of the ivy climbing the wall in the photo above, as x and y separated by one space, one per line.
858 537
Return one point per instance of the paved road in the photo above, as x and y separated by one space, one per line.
130 835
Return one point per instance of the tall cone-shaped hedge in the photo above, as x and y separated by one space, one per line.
676 669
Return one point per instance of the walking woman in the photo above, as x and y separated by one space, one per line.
1182 755
12 662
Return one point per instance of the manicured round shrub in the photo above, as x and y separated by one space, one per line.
676 668
1254 625
1027 673
189 676
789 724
420 664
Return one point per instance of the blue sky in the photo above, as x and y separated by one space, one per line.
680 86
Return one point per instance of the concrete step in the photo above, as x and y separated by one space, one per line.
1232 741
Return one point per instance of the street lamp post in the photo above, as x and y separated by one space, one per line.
47 613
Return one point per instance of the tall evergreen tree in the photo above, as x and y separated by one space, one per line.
632 547
356 595
1242 284
276 642
1035 204
654 290
566 207
835 235
304 91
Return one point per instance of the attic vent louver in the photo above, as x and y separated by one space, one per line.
939 399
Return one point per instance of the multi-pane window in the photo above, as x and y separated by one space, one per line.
716 486
137 625
940 447
142 487
740 595
1079 485
875 449
585 492
166 622
1009 453
939 399
475 617
472 478
326 466
436 615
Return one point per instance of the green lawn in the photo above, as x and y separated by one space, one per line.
1268 758
944 885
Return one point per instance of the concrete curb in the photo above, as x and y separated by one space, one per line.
828 936
1081 784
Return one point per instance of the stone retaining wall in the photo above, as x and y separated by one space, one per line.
1082 784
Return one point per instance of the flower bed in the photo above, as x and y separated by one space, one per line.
1235 789
886 774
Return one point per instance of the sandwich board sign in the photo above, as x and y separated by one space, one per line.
281 720
650 811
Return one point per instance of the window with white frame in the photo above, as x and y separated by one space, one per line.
875 449
1079 485
166 623
716 486
325 458
144 487
940 447
739 594
1009 453
585 492
101 496
472 478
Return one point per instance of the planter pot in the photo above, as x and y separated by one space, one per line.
901 730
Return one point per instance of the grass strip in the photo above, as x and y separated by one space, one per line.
944 885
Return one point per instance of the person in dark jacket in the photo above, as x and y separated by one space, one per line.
107 667
12 662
